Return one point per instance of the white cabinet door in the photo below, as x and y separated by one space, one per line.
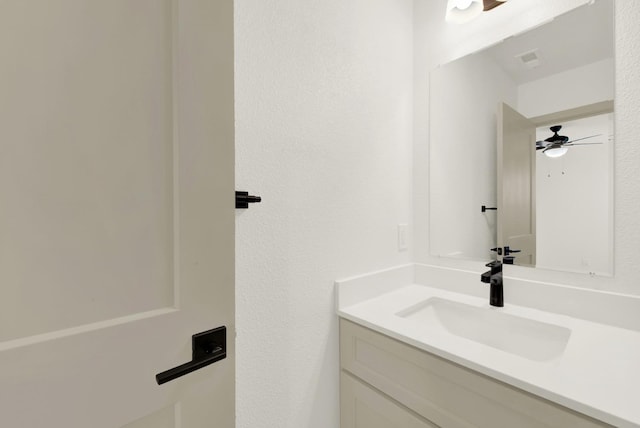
116 211
517 185
363 407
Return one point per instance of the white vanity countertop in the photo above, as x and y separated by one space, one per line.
598 373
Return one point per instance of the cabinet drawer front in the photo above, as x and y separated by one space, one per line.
363 407
443 392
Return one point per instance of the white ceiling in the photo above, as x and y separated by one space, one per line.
580 37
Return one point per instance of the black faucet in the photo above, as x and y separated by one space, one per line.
494 277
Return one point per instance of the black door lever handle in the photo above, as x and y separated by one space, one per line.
207 348
508 251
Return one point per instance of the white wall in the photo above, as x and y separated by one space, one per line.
324 134
464 100
437 42
568 88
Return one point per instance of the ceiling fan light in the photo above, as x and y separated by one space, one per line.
556 152
461 11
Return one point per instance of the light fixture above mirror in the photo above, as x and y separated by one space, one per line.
461 11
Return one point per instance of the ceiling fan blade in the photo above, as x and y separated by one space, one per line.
580 144
540 147
583 138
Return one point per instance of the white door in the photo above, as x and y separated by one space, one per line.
516 185
116 211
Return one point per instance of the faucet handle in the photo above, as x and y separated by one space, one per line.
496 267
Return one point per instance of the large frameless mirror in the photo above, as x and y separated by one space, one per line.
521 148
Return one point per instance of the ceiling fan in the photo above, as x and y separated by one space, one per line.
557 145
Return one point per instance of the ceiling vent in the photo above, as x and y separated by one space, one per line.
529 59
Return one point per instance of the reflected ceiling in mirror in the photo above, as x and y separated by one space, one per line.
552 75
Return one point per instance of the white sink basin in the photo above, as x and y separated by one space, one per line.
525 337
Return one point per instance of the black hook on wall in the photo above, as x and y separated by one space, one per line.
243 199
485 209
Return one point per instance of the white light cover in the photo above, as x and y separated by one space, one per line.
557 152
461 11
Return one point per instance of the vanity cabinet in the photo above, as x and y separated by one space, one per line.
387 384
364 407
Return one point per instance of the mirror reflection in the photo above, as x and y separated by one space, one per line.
526 127
578 181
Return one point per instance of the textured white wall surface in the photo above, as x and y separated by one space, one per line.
437 42
324 95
